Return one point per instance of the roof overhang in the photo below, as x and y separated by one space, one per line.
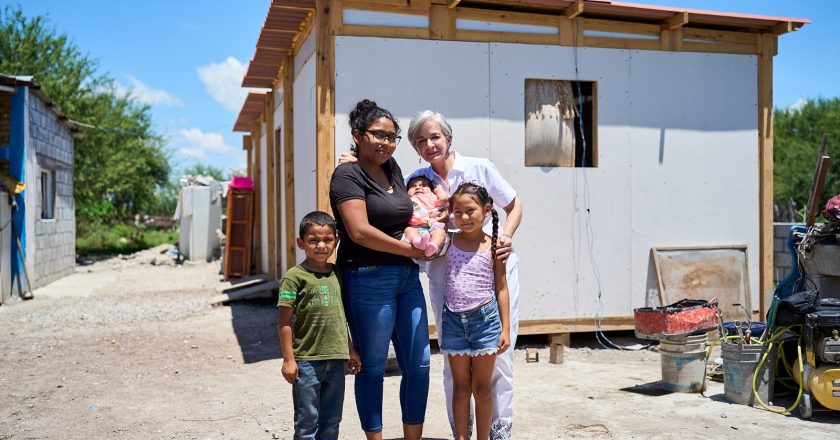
250 112
13 81
611 10
282 27
285 22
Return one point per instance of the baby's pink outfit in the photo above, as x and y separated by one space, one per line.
424 205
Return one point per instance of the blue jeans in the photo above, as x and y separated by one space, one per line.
318 396
472 332
386 303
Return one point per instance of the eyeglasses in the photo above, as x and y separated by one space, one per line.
382 136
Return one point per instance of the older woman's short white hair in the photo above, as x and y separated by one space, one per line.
420 118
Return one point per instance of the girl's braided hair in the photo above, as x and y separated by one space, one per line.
480 195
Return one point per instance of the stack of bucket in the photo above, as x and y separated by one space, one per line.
682 331
684 363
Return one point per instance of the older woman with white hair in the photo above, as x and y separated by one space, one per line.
431 136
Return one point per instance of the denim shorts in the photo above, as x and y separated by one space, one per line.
473 332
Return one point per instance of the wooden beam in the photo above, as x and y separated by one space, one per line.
289 158
765 173
507 37
324 103
621 43
279 31
246 142
270 190
574 9
453 4
671 40
292 8
264 290
257 140
250 160
568 29
441 23
782 28
566 325
675 21
385 31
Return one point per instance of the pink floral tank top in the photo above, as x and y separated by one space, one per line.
469 281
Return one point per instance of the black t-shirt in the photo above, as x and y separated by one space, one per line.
388 212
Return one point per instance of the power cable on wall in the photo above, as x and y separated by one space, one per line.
590 237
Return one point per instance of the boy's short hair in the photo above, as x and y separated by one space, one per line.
319 218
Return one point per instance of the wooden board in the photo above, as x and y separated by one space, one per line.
263 290
709 272
239 283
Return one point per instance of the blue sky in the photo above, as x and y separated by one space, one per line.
186 58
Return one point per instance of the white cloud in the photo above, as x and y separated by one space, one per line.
797 106
146 94
223 82
196 143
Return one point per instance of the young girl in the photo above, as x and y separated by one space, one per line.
475 316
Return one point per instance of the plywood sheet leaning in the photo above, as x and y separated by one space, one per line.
707 273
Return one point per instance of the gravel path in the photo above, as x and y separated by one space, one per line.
129 348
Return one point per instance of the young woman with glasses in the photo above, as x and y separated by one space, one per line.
383 297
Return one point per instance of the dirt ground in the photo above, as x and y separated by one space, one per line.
129 348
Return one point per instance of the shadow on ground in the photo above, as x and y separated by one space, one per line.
255 326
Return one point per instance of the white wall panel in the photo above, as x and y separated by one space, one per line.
677 154
694 145
304 143
406 76
568 211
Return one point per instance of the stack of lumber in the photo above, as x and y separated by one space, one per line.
252 287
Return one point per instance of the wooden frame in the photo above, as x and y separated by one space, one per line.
674 33
767 43
257 178
270 190
325 100
566 325
288 78
701 269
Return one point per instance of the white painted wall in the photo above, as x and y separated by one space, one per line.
304 143
677 155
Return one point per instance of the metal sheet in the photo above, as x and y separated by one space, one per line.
706 273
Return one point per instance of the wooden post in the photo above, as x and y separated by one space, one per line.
324 101
256 138
270 190
441 23
246 145
289 157
555 354
767 43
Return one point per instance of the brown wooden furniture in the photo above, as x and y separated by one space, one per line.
239 233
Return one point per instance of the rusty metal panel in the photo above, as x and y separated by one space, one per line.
708 272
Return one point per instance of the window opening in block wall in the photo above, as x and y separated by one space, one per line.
47 194
559 125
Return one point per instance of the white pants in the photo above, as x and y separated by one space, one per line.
503 375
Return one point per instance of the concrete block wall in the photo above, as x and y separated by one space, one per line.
55 239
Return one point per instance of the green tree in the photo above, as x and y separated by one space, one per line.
796 140
120 165
205 170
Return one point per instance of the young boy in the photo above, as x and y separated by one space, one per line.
313 332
